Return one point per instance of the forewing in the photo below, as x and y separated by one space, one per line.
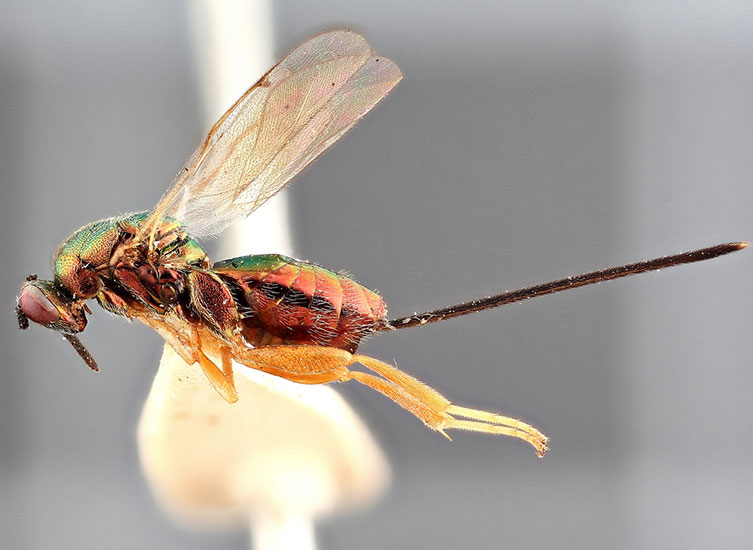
287 119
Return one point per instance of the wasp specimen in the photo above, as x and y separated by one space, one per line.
283 316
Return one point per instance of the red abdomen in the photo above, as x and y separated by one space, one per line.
286 301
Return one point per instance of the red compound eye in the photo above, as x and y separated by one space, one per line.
36 306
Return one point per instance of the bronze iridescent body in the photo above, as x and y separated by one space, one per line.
269 312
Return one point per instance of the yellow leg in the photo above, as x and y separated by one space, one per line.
400 396
318 364
221 380
217 378
443 412
187 343
227 365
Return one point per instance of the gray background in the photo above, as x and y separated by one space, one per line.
526 143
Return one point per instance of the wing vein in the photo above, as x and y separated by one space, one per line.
272 132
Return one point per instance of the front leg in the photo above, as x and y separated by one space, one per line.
221 380
186 342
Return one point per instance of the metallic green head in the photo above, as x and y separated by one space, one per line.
60 304
82 266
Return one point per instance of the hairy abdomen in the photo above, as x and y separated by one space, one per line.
287 301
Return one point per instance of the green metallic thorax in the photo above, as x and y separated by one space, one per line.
266 299
92 247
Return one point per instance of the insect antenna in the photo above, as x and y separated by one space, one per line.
23 320
562 284
82 351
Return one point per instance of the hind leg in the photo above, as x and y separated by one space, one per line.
443 412
318 364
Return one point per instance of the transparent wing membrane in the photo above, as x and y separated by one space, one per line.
287 119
